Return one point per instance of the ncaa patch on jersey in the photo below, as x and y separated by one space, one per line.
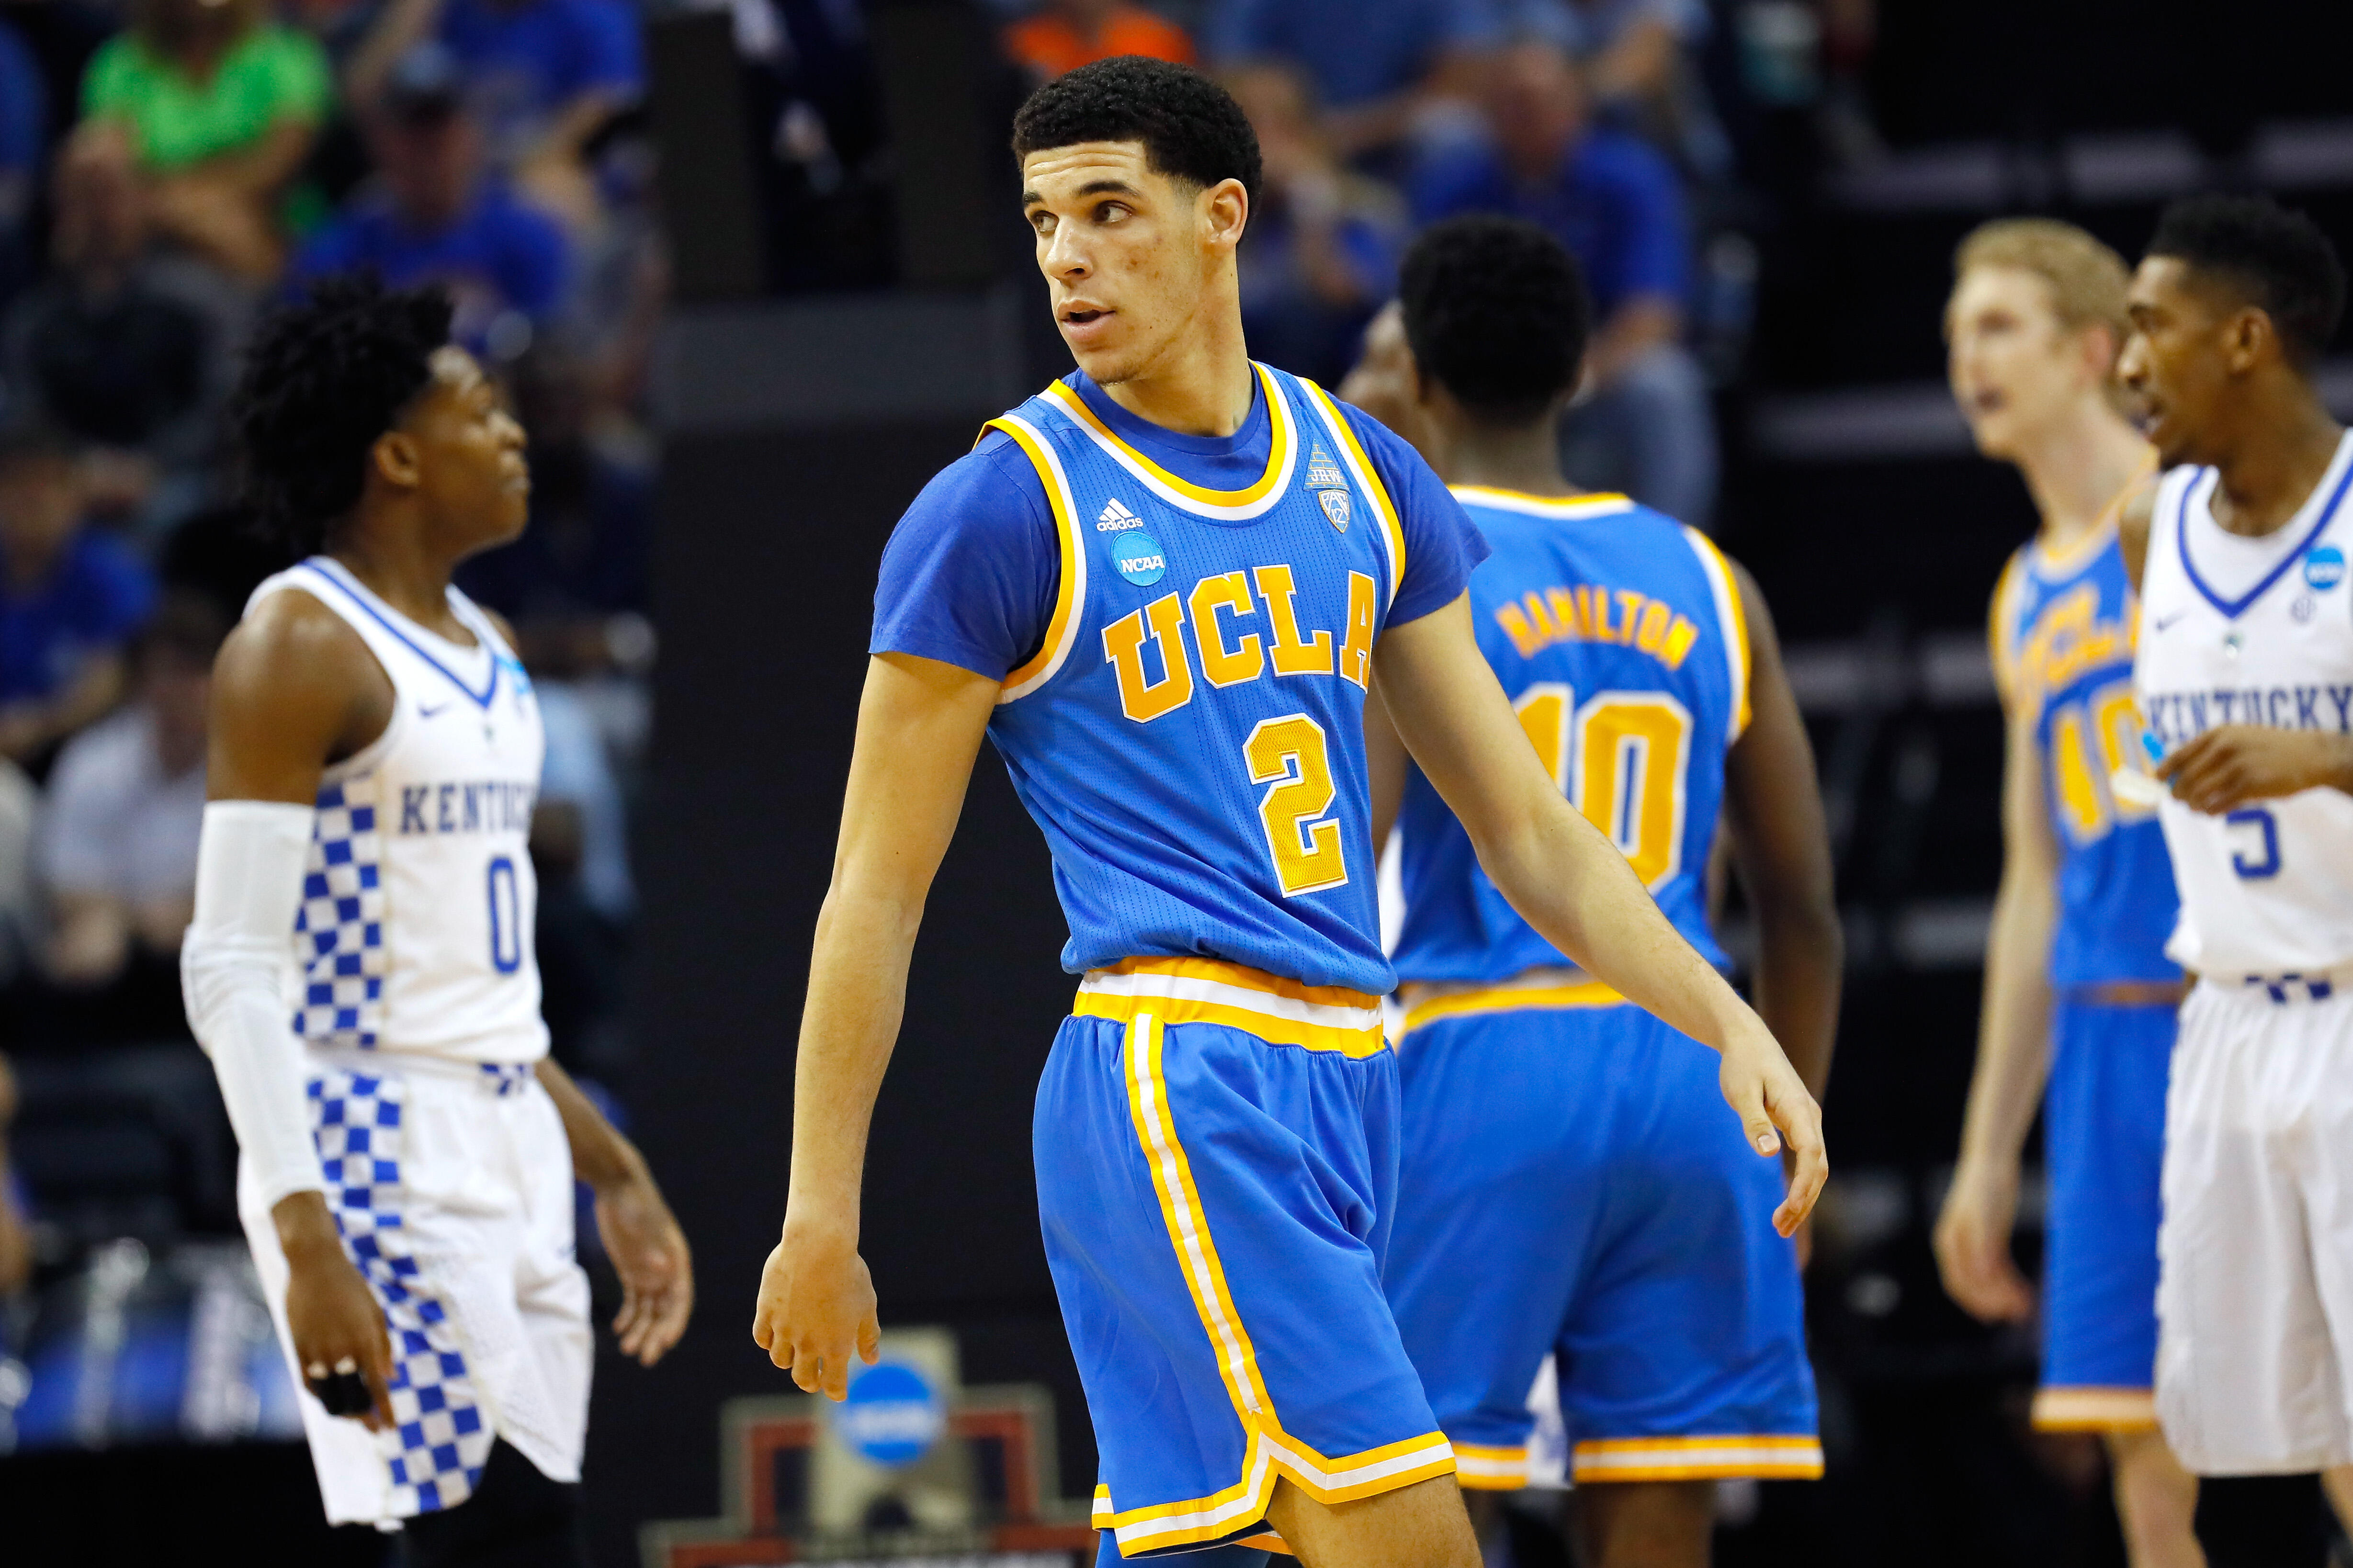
1336 507
2324 567
1135 555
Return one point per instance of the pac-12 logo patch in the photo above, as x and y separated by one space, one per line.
2324 567
1136 556
1336 507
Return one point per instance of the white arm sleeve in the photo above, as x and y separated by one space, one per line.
233 975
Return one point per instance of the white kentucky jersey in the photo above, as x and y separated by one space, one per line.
2236 630
414 931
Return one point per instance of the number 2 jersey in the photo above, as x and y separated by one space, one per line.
1617 633
2253 631
414 931
2063 648
1184 628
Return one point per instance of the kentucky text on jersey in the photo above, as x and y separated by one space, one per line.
2179 716
1183 627
2063 642
485 806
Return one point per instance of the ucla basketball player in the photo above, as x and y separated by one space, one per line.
2244 673
1569 1184
360 967
1162 588
2078 989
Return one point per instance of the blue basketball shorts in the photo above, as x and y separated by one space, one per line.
2104 1150
1573 1185
1217 1162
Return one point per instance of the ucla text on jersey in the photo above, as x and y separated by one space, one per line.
2062 643
1190 734
1618 635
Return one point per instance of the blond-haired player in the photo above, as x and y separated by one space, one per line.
2078 989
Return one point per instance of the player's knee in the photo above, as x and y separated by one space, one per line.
516 1518
2262 1521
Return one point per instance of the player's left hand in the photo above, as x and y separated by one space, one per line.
2228 765
1774 1108
649 1253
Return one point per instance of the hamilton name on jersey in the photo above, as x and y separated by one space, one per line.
1595 613
473 806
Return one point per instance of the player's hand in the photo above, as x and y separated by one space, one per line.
2227 766
817 1307
1774 1109
649 1253
334 1319
1972 1244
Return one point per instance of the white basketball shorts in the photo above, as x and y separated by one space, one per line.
451 1182
2254 1297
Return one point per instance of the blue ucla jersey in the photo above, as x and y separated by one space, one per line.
1186 723
1618 635
2062 645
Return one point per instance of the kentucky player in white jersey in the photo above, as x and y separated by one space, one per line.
361 968
2078 1019
2244 674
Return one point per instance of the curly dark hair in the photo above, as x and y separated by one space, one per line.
1495 309
2274 256
324 377
1191 128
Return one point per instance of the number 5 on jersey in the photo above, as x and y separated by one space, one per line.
1629 750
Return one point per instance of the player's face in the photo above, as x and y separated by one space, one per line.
1129 254
2176 364
469 461
2012 365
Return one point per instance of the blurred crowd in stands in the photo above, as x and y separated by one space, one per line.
169 167
1595 119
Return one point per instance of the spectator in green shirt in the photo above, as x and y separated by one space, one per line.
217 106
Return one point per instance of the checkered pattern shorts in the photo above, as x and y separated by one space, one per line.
436 1450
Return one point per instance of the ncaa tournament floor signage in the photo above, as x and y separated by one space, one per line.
913 1470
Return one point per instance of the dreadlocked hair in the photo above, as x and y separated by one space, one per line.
324 377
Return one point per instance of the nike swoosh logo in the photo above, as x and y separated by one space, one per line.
2162 622
425 712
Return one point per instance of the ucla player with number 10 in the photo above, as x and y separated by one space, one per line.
2078 990
1570 1185
2245 672
1164 587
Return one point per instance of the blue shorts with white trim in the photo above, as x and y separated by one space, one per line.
1573 1185
2103 1150
1214 1206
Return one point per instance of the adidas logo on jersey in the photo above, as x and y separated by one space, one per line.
1114 517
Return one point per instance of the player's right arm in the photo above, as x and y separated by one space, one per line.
920 725
1972 1237
293 690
